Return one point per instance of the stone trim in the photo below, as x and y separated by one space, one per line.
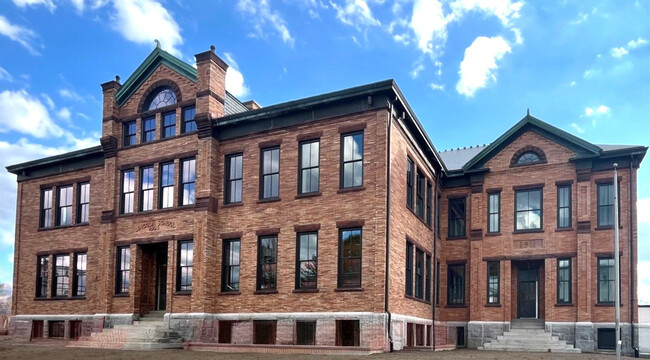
154 239
584 227
351 128
528 187
531 257
267 231
309 136
306 227
211 93
62 251
109 146
161 159
209 203
108 216
525 149
350 223
231 235
65 182
270 143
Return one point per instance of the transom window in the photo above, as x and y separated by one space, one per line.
162 98
528 158
529 209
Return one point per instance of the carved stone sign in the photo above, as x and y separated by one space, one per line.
529 244
154 225
20 328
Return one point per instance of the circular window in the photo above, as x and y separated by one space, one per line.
528 158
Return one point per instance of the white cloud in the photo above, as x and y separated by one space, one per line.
19 34
261 15
573 83
600 110
64 113
355 13
643 210
505 10
5 75
479 65
234 78
142 21
78 4
416 71
618 52
577 128
643 290
435 86
70 94
23 113
7 238
48 101
633 44
429 24
10 258
24 3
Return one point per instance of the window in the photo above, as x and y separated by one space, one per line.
528 209
128 130
264 331
188 179
419 204
606 339
347 332
234 178
267 263
564 207
162 98
309 175
606 280
305 332
169 125
46 208
307 267
189 124
37 329
146 188
270 179
56 329
42 275
166 185
564 281
83 203
149 129
225 332
128 189
606 204
409 268
427 288
457 217
349 258
352 160
438 206
123 262
410 167
437 282
185 264
456 284
80 263
64 201
429 201
528 158
419 274
493 282
61 276
494 209
230 272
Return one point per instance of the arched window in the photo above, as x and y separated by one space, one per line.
528 158
161 98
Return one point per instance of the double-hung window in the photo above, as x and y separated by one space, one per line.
46 208
146 188
188 179
80 264
437 282
528 207
270 169
307 267
149 129
230 271
185 266
429 202
234 178
420 186
409 269
189 124
606 280
128 190
410 172
349 258
493 282
494 210
456 284
564 281
123 270
457 217
169 124
438 212
267 263
352 160
61 276
564 207
309 175
427 287
83 203
64 201
166 185
419 274
42 276
128 133
606 204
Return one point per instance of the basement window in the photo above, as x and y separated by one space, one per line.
225 332
264 332
347 333
606 339
305 333
56 329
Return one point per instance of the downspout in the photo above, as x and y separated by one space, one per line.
388 173
632 272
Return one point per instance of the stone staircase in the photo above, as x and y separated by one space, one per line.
529 336
148 333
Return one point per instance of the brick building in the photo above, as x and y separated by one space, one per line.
317 224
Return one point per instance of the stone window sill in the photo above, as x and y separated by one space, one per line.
417 299
268 200
564 305
459 306
265 292
308 195
348 289
299 291
229 293
564 229
182 293
532 231
229 205
353 189
62 227
492 305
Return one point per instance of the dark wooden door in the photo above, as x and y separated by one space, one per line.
528 279
161 278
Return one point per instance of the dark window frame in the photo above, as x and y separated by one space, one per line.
408 284
438 213
182 285
569 281
410 172
143 190
162 187
189 184
613 280
341 259
305 332
79 287
346 326
128 137
81 204
262 284
460 299
429 202
420 186
427 281
68 207
437 282
343 162
228 265
521 162
599 206
44 210
490 230
541 210
419 273
65 285
185 121
42 276
264 175
299 261
120 272
147 130
154 95
463 219
228 180
497 282
124 193
308 169
164 127
569 207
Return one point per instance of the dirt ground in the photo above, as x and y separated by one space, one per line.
57 351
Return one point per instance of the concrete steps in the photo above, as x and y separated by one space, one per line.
148 333
527 337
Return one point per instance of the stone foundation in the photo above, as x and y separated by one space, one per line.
480 332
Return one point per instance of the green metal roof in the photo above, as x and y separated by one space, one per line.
56 159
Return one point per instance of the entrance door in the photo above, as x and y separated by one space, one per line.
161 278
527 291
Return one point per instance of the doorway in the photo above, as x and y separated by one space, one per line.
528 291
161 277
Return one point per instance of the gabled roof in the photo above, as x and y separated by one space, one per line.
456 159
530 123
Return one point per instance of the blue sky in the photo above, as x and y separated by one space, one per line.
583 66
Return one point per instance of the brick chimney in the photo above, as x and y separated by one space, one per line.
110 115
211 87
252 105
